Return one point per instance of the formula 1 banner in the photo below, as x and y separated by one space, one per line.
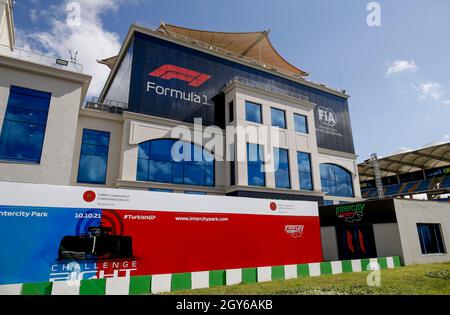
55 233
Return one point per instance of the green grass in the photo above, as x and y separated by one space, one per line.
417 279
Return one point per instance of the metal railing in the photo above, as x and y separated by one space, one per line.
269 88
22 54
106 106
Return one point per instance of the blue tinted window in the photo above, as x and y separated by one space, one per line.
335 180
155 164
278 118
161 190
191 192
282 179
93 157
300 123
253 112
430 238
23 130
328 202
255 164
304 170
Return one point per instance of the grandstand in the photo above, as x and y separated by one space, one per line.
425 171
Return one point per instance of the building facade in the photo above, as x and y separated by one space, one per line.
160 80
417 231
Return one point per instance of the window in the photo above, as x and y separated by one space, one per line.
230 111
304 170
155 164
161 190
278 118
328 202
93 157
23 130
336 181
253 112
301 124
282 179
255 164
430 238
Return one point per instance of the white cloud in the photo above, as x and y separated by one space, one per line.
90 38
430 90
447 102
400 65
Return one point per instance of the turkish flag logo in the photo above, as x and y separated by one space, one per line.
89 196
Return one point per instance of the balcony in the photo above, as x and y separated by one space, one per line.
41 59
106 106
268 88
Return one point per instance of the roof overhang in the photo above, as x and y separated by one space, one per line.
253 45
415 160
114 62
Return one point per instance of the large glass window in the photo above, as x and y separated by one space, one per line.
93 157
282 179
304 170
255 164
253 112
278 118
430 238
23 130
300 123
155 164
336 181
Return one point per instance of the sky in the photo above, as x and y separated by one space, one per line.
396 71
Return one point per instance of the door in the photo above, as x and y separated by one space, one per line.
356 241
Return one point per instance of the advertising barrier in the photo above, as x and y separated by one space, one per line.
56 233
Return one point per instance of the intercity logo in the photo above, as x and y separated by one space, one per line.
350 213
294 230
168 72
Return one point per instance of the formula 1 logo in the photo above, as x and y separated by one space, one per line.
168 72
327 116
295 231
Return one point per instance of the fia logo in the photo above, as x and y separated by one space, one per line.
327 116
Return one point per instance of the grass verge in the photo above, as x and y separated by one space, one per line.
430 279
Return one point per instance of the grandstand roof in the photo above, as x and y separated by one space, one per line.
410 161
253 47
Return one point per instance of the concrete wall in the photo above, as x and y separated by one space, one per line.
66 94
289 138
6 27
387 239
329 243
111 123
411 212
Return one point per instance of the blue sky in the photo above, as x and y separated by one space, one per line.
397 74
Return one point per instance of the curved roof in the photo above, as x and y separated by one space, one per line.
253 45
409 161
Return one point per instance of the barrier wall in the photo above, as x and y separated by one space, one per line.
197 280
59 233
